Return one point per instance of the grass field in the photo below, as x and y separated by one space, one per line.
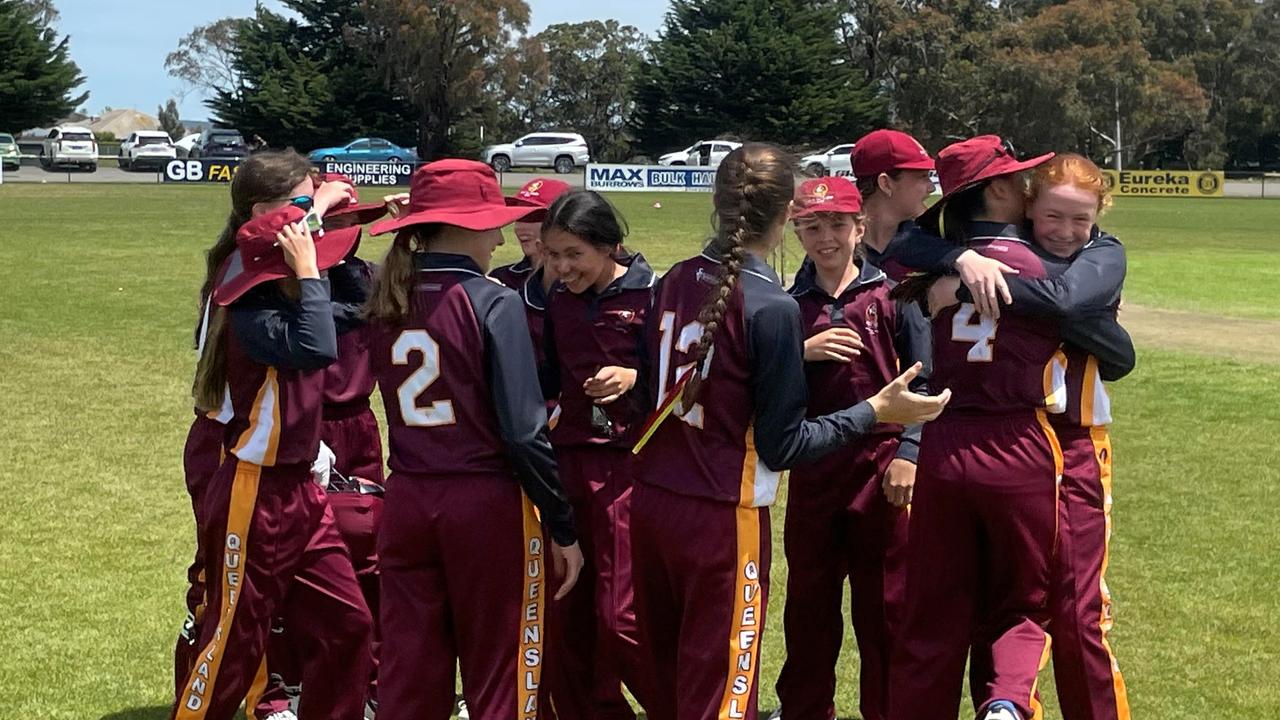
96 305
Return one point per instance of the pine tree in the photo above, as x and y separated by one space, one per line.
770 70
302 84
37 76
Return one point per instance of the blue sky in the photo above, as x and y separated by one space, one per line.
120 45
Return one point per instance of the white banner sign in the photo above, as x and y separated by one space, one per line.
650 178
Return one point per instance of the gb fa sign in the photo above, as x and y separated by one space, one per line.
200 170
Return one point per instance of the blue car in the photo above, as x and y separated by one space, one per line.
364 150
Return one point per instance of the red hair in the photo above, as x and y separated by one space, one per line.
1071 169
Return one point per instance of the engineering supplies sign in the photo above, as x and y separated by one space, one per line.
660 178
371 173
1165 183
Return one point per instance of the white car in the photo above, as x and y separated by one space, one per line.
70 145
183 147
835 161
146 148
562 151
707 153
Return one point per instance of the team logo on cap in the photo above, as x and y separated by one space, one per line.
819 194
533 188
821 190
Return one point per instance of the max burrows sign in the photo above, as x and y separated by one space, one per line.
371 173
661 178
201 170
1165 183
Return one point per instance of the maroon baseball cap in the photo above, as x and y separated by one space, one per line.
464 193
352 212
970 162
882 151
828 195
538 193
258 259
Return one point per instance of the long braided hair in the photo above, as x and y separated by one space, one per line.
754 186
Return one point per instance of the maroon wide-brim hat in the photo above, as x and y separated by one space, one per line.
967 163
353 212
464 193
258 259
539 193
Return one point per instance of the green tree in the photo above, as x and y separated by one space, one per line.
771 70
591 69
437 56
170 120
300 83
37 75
205 58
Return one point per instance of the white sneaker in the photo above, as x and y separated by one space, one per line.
462 710
1001 710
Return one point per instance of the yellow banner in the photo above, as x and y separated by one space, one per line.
1165 183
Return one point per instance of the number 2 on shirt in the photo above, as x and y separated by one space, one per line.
971 327
689 335
437 413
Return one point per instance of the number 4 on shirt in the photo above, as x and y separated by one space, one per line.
971 327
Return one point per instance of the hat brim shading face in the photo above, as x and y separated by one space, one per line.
234 279
930 217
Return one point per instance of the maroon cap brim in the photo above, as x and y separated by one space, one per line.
359 214
488 218
923 164
234 280
840 206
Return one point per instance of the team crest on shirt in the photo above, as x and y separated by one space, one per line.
705 277
626 316
872 319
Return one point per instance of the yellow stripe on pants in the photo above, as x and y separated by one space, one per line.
200 683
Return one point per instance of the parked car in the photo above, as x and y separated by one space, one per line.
10 155
835 161
219 143
183 147
562 151
708 153
364 150
70 145
146 148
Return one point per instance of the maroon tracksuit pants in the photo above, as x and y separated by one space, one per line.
983 529
201 457
839 527
278 555
351 432
464 583
1090 686
701 574
592 645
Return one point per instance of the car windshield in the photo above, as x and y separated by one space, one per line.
226 138
74 136
6 138
152 140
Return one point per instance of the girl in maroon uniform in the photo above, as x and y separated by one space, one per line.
724 353
277 552
595 318
537 193
840 523
461 548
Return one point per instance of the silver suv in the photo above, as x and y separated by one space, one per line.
562 151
